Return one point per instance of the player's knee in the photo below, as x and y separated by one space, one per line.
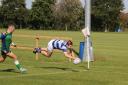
14 58
2 60
48 56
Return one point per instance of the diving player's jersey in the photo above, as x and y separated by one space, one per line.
57 44
6 39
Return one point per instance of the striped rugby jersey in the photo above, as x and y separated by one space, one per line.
60 45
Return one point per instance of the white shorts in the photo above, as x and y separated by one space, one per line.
50 46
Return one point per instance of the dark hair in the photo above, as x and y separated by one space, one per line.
10 24
69 42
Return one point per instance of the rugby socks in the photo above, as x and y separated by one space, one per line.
37 50
17 64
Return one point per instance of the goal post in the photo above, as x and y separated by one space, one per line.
88 54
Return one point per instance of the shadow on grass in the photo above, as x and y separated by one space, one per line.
61 68
9 70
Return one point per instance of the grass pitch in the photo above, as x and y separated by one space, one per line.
109 68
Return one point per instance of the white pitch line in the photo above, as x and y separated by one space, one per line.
27 75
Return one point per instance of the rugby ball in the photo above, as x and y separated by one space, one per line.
76 60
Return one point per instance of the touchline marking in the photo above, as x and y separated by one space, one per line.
27 75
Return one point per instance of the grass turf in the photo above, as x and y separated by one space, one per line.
109 68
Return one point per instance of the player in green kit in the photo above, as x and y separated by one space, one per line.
6 40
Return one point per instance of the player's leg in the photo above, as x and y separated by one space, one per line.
3 56
16 62
43 51
2 59
49 50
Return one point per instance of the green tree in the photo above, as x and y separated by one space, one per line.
1 18
68 13
106 13
41 14
124 21
13 11
21 13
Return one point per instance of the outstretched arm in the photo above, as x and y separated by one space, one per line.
70 55
74 51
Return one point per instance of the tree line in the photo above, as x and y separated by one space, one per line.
60 14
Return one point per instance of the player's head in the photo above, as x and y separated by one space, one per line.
69 43
11 28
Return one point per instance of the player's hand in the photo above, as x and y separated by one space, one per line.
13 44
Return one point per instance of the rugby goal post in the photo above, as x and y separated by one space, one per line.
88 54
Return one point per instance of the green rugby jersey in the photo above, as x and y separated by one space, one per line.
6 40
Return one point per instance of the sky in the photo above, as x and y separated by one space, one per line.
126 4
29 3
